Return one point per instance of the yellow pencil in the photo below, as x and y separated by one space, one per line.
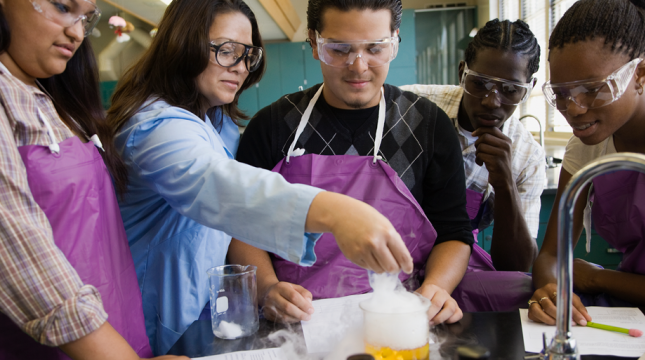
630 332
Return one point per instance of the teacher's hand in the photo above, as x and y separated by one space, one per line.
365 237
287 302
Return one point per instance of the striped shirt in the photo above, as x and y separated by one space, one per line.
39 290
528 159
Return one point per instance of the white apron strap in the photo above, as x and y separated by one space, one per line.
379 127
307 114
53 146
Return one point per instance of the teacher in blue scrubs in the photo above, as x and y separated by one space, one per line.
174 114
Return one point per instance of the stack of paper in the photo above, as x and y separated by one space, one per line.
593 341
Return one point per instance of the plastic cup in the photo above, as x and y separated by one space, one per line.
234 305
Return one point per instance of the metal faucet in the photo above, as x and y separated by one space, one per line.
563 346
539 123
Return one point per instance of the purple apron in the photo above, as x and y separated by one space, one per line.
74 189
364 178
480 260
619 216
482 287
618 213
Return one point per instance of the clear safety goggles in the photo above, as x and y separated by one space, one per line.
482 86
67 13
342 53
591 94
230 53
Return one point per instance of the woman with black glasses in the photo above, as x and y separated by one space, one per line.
174 114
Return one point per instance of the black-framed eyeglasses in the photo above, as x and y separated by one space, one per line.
230 53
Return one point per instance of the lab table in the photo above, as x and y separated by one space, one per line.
500 332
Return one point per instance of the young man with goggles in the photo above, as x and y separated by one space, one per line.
504 165
370 140
372 52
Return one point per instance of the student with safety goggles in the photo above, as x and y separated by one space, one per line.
372 141
504 165
597 78
174 114
67 280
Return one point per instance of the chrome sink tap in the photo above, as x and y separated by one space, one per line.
540 124
563 346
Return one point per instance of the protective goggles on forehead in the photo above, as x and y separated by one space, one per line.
342 53
482 86
591 94
67 13
230 53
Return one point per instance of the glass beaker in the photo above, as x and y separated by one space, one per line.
397 333
234 304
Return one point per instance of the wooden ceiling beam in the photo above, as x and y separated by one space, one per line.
284 14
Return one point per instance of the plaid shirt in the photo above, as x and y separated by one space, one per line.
528 159
39 290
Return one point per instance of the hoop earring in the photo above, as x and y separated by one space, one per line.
640 89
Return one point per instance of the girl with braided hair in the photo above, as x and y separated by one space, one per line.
504 166
597 77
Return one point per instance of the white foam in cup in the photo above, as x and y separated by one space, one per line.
393 317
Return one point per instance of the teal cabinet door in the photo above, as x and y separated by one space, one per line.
313 74
248 102
292 66
601 252
107 89
403 69
270 87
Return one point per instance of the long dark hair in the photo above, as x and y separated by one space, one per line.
178 54
75 94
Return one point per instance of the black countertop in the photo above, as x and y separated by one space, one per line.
500 332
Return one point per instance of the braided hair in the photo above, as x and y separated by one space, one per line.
509 36
620 22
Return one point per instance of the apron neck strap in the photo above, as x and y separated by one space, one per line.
53 146
304 120
379 126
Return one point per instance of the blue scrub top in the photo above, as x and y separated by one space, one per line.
186 197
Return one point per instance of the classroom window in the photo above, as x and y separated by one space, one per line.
541 15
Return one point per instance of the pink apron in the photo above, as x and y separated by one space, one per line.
483 288
74 189
365 178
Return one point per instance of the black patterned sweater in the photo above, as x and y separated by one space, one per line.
419 142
